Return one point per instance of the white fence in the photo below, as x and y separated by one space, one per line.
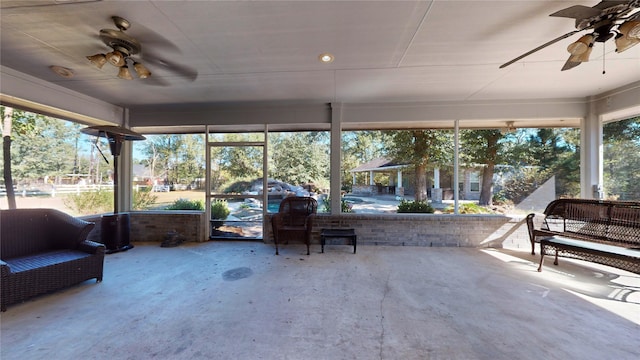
53 190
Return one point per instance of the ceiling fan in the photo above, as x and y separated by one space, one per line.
605 20
126 49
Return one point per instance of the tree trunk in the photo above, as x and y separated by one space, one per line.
421 183
6 156
486 193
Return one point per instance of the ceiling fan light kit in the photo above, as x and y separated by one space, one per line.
605 19
124 73
141 70
510 127
628 35
581 46
98 60
115 58
123 47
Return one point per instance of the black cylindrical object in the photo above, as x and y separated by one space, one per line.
114 232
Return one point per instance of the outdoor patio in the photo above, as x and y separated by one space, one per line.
237 300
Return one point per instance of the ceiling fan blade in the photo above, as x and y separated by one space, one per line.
183 71
152 39
155 81
539 48
577 12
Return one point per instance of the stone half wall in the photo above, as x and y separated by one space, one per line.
154 225
384 229
417 229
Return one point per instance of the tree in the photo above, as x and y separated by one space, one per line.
181 156
423 149
300 157
242 162
483 147
7 118
558 150
44 150
622 159
190 159
13 122
359 147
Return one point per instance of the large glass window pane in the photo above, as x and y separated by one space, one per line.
168 172
522 169
622 159
299 166
382 169
54 165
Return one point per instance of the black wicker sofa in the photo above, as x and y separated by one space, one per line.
599 231
43 250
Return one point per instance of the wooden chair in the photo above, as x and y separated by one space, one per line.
294 220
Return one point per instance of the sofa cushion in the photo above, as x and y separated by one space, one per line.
30 262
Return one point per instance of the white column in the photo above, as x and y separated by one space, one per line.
399 184
436 178
456 175
336 132
371 178
125 170
591 154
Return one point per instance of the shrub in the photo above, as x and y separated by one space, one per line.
345 206
415 207
90 202
143 199
468 208
186 204
238 187
220 210
100 201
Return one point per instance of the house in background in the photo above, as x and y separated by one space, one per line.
383 176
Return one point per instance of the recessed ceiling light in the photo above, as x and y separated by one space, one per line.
62 71
325 58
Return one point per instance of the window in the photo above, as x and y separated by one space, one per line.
168 172
622 159
474 181
54 165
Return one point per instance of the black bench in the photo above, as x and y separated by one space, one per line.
603 232
338 233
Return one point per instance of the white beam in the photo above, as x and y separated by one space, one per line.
32 94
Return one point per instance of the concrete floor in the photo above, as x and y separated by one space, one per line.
236 300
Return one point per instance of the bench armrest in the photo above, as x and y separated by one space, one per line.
91 247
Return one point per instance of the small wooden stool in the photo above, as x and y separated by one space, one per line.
338 233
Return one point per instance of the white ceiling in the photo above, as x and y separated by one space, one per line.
266 51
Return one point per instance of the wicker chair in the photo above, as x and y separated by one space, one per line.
294 220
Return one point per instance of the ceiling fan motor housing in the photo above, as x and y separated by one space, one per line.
118 40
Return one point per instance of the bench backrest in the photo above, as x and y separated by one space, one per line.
30 231
614 222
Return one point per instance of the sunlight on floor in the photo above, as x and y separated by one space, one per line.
612 289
